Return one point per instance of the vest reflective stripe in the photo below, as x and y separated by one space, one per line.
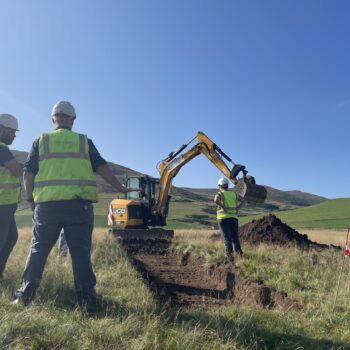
48 155
65 183
229 200
10 186
65 170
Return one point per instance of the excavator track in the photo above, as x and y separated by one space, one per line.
157 234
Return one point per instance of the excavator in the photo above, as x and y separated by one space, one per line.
142 214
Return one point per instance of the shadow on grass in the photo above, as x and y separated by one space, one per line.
103 306
251 333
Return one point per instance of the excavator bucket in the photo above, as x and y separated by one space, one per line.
250 191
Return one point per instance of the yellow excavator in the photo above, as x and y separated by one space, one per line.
134 216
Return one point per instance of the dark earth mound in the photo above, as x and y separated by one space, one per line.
184 279
270 229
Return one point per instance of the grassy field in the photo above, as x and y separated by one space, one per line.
130 318
333 214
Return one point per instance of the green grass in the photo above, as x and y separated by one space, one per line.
130 318
333 214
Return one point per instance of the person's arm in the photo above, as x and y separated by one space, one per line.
106 173
9 162
31 168
241 202
101 167
218 200
14 167
28 183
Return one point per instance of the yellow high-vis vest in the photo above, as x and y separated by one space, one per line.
65 170
229 200
10 186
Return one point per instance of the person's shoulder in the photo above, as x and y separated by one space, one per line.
5 154
4 149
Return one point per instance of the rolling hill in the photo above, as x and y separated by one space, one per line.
276 199
193 207
333 214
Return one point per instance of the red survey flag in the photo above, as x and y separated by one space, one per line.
346 251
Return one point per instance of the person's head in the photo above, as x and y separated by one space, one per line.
8 128
63 114
223 183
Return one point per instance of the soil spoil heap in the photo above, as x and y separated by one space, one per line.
271 230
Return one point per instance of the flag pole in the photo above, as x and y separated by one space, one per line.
341 272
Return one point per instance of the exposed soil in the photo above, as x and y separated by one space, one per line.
185 280
271 230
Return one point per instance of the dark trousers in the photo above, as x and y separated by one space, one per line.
8 234
76 218
229 230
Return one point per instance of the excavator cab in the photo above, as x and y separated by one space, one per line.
137 209
131 217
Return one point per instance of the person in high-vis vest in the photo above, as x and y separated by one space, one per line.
59 179
10 189
228 203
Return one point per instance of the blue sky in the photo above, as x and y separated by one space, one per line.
268 81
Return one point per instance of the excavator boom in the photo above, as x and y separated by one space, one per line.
171 165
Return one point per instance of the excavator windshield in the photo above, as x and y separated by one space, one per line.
133 182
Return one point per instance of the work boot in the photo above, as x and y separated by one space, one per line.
20 301
240 253
230 258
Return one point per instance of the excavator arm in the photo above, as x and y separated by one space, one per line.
170 166
139 210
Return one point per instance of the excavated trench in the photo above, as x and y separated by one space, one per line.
180 280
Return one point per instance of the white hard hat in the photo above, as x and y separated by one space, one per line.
9 121
223 181
63 107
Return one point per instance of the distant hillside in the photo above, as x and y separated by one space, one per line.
333 214
20 156
276 199
297 198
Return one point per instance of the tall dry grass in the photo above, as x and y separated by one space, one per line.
129 316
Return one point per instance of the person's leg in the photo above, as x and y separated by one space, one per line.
9 245
235 236
45 234
8 234
79 235
225 229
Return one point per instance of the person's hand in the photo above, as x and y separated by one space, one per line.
31 203
32 206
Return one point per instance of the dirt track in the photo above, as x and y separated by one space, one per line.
185 280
